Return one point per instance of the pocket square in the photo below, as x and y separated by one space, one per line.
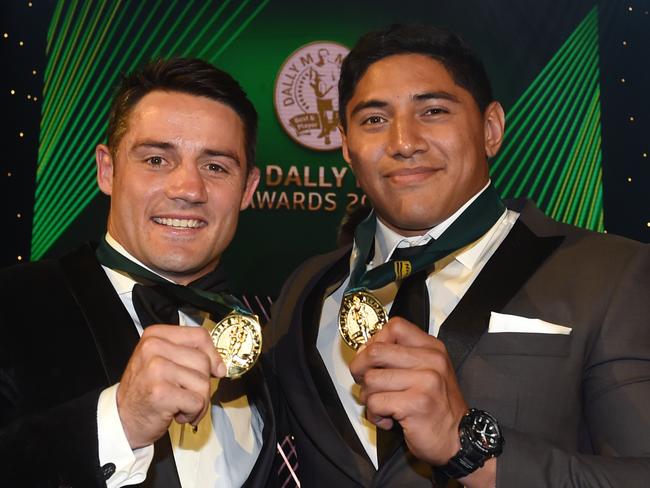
500 322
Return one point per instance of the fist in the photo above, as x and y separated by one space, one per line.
406 376
167 378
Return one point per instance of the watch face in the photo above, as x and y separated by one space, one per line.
485 432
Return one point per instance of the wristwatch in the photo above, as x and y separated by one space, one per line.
480 440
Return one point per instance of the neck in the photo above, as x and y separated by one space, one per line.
405 232
181 278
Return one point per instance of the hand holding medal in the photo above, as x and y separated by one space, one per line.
237 337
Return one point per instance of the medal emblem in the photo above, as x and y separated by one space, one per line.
238 339
361 316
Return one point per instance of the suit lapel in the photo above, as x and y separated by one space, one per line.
305 380
514 262
259 395
115 339
108 321
326 389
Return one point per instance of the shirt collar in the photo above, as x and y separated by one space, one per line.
122 282
387 240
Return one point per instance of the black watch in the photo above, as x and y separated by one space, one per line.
480 440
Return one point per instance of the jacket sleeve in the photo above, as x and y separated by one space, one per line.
54 447
48 387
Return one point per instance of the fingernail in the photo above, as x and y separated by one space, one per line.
221 370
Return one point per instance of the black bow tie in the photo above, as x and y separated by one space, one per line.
154 306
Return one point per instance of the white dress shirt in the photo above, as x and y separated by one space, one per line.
221 453
446 285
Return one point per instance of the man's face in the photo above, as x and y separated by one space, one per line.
417 142
177 183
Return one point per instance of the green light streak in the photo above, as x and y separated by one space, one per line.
221 30
57 48
578 181
570 136
169 36
64 99
556 124
190 28
55 20
523 128
69 167
243 26
551 101
81 81
64 69
561 100
558 194
100 103
548 76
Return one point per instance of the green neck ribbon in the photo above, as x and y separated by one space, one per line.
475 221
218 304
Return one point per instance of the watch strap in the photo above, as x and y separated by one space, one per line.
469 458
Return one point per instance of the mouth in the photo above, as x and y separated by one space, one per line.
411 174
176 223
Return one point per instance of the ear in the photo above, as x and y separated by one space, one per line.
252 180
344 145
494 122
105 168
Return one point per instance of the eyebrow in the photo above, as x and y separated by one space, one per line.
375 103
215 154
168 146
153 145
437 95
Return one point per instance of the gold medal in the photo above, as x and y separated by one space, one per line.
361 316
238 339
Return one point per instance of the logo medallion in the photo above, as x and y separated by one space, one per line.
307 95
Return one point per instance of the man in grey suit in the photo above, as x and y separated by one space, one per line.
493 308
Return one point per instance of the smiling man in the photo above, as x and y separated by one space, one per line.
84 400
516 349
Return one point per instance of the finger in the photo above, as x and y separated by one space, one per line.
193 337
170 383
385 405
399 380
190 406
395 356
188 357
384 423
400 331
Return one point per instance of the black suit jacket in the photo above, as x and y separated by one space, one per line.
66 337
574 408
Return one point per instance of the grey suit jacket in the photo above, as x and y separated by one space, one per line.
575 408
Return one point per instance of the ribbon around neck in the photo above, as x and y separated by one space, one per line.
475 221
219 304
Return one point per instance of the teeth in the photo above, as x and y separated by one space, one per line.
179 223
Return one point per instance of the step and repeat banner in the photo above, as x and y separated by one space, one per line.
543 59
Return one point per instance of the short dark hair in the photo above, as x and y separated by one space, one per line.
183 75
456 56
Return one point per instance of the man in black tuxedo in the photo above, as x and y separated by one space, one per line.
498 308
84 400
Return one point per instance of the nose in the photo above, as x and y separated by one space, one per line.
186 183
405 138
